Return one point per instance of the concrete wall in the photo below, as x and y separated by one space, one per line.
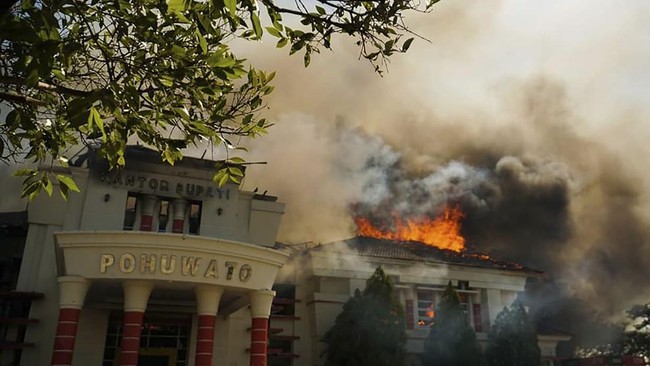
234 339
91 335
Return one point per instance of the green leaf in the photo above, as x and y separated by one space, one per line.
257 27
218 175
166 81
178 51
202 42
307 58
64 191
237 160
224 179
218 59
407 44
320 10
174 6
95 119
47 185
24 173
32 78
31 189
282 42
234 171
231 5
182 112
274 32
68 182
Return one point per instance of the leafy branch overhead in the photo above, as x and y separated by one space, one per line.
102 73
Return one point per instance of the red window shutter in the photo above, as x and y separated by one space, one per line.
478 319
410 318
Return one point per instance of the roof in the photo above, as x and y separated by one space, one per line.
145 154
421 252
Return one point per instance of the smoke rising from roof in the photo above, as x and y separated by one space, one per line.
529 115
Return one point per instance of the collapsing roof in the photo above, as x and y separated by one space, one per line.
417 251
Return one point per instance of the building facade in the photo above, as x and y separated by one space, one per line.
147 266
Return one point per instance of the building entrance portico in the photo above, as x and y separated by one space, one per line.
133 273
165 339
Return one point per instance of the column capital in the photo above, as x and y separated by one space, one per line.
148 204
136 294
207 299
261 301
72 291
179 205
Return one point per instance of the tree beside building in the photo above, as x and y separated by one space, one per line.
451 340
512 340
370 330
102 73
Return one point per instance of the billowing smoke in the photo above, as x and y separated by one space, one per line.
529 115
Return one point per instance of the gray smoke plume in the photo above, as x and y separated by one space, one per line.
531 116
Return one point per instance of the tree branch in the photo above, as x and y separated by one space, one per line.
19 98
11 80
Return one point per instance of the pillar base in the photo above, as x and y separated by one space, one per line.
66 333
130 346
259 340
205 340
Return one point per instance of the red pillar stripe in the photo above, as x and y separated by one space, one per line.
131 331
146 222
66 333
204 340
259 340
178 225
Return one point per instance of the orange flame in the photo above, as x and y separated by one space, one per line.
442 232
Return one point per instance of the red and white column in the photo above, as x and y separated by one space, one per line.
179 207
260 310
207 300
148 206
136 296
72 292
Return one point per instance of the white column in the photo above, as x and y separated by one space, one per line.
148 203
179 206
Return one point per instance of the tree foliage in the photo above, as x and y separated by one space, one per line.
636 339
451 340
513 339
102 72
370 329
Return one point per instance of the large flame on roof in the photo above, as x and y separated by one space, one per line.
442 232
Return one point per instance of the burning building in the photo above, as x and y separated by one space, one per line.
158 266
421 257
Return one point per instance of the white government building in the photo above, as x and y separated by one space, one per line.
155 265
